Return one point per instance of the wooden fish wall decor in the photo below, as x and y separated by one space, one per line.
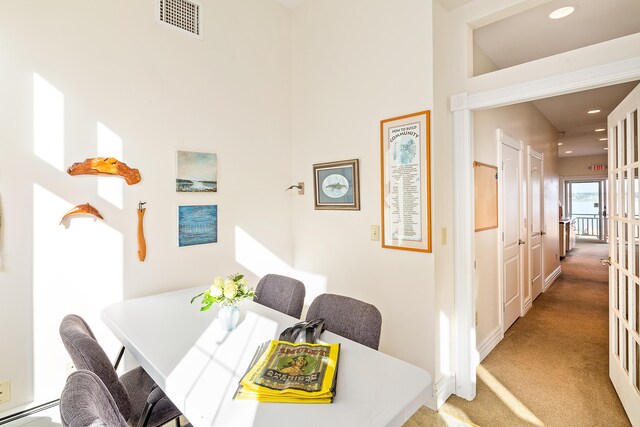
85 209
105 166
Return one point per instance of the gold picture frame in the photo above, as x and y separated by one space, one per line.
405 156
337 185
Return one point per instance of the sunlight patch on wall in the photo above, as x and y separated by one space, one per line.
75 270
512 402
110 188
254 256
48 123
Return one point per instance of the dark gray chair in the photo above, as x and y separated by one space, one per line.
140 401
85 401
351 318
281 293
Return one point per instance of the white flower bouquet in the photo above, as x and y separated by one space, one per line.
226 292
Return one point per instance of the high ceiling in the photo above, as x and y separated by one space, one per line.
531 35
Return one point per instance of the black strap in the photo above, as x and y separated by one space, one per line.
313 329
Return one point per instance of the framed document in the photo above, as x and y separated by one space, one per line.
406 182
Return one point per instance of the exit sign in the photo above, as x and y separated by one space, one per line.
598 167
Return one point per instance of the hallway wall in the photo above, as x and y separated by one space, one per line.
579 166
526 123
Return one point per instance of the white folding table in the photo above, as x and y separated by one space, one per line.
198 365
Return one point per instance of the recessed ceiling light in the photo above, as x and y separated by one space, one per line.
593 111
563 12
600 130
559 143
568 152
604 139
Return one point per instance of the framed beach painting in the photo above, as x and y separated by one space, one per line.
197 225
196 172
336 185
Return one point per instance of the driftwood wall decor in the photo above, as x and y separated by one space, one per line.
85 209
142 243
105 166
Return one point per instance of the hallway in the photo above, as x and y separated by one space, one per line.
551 368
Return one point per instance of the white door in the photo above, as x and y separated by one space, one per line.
535 207
511 241
624 229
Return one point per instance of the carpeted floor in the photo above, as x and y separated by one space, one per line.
551 368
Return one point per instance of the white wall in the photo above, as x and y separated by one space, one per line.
79 74
526 123
580 166
354 64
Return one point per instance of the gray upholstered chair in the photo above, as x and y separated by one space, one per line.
85 401
349 317
281 293
140 401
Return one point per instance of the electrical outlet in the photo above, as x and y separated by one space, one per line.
444 235
5 391
375 232
476 318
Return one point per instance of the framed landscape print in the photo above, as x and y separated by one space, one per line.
336 185
197 225
196 172
406 182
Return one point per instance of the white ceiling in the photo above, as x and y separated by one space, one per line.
532 35
568 114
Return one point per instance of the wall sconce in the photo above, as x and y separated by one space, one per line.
300 188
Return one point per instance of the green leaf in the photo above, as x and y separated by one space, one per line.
194 298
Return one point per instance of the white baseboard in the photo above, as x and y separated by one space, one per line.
527 306
441 392
551 278
490 342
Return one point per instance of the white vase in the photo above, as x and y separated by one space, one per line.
228 316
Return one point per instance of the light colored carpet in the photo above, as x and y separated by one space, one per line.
551 369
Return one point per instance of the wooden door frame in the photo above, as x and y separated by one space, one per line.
462 105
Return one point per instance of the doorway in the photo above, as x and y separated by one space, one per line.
585 202
462 107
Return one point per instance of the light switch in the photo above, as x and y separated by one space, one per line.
5 391
444 236
375 232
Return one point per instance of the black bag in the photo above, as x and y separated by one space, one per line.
312 328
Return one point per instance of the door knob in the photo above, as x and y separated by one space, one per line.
520 242
604 261
542 233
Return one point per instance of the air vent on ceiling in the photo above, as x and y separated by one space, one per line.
182 15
